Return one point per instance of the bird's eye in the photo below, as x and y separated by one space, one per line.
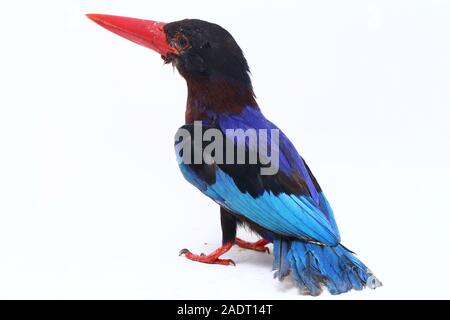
181 42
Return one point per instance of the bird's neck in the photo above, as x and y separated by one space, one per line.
206 97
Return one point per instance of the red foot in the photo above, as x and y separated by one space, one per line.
212 258
259 245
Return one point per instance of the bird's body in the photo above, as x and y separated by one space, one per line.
287 207
276 198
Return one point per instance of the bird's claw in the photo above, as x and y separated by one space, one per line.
183 251
210 259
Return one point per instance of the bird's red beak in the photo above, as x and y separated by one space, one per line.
147 33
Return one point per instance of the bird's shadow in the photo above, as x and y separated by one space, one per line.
264 262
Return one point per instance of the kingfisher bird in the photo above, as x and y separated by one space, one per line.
287 208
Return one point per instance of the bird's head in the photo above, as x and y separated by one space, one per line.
200 50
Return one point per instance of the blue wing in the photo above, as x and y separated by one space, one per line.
289 203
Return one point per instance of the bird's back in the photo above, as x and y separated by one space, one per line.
288 202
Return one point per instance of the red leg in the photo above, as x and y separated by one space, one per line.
212 258
259 245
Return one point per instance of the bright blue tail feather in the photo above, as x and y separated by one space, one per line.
314 266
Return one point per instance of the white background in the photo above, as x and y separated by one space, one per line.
92 204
